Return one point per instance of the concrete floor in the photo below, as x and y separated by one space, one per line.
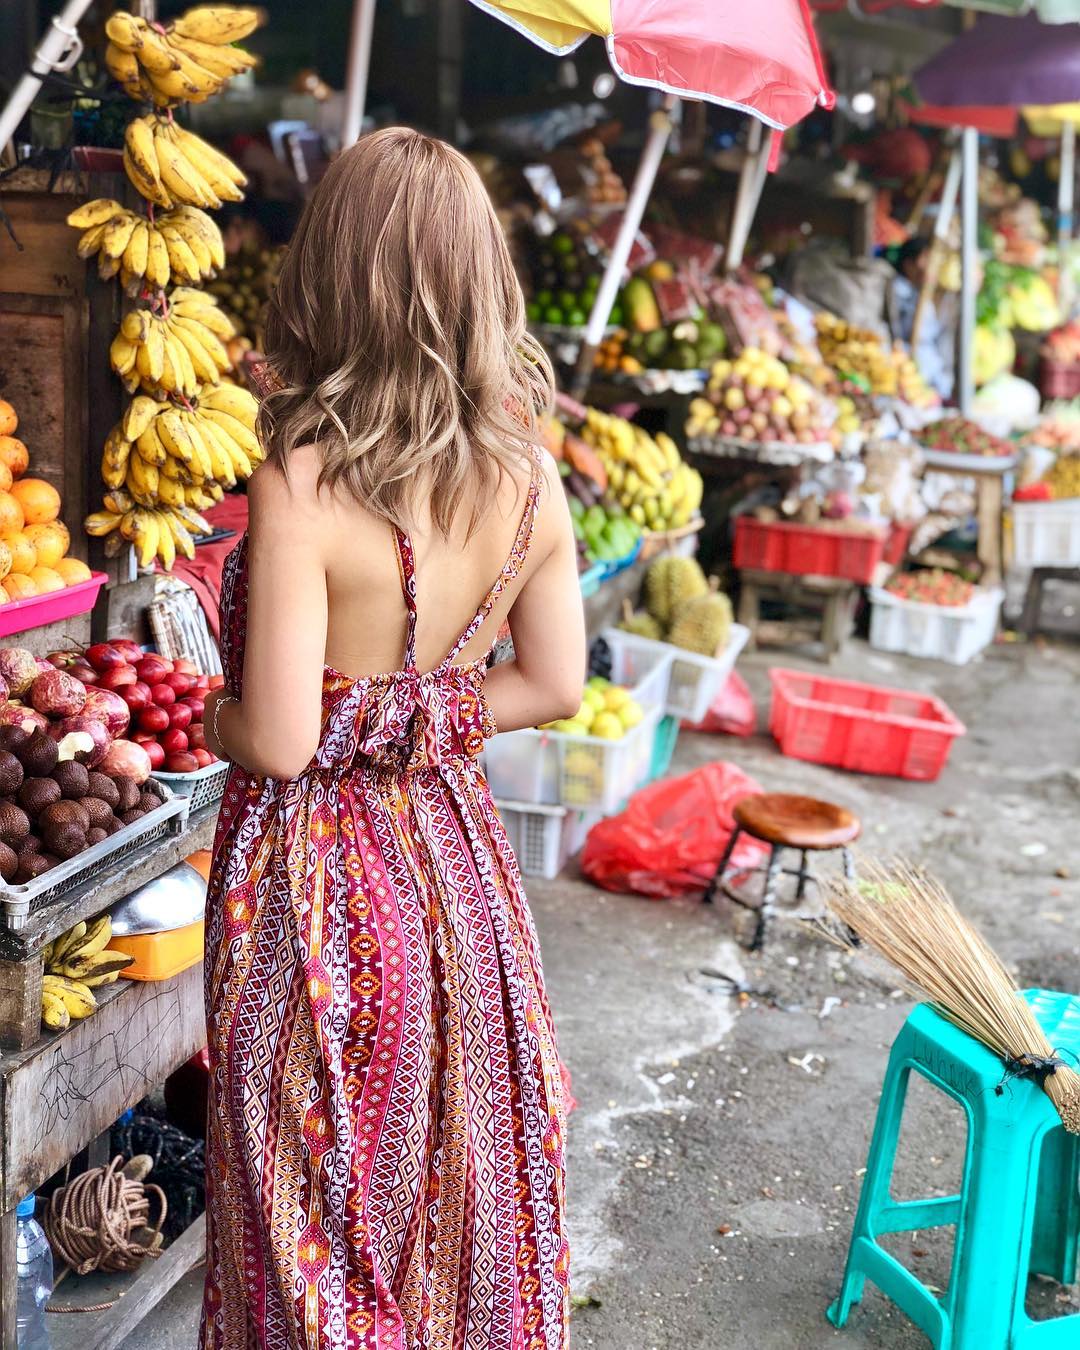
716 1151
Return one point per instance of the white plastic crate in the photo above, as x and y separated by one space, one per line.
953 633
544 838
1046 534
694 681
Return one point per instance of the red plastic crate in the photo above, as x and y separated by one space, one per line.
861 727
806 550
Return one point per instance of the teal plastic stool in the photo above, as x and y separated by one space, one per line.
1018 1210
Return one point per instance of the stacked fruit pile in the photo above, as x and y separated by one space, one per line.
756 398
244 286
683 608
33 541
888 370
604 186
160 698
608 711
76 963
958 436
932 586
688 345
187 436
646 475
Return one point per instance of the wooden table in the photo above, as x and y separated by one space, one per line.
61 1093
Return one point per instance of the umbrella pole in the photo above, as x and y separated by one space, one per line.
752 175
1066 200
363 21
969 261
659 130
938 249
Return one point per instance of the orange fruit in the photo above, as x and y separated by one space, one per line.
46 579
11 515
39 500
18 587
5 560
14 454
51 540
23 553
72 571
9 418
6 479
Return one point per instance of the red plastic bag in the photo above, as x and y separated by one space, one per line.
672 835
732 712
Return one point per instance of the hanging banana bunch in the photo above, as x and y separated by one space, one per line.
176 350
176 246
180 62
170 165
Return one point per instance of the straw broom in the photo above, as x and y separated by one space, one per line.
907 916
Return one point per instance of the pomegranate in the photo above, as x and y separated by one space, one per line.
174 742
164 695
156 755
3 691
197 706
19 668
130 651
82 670
136 695
203 757
125 759
108 707
185 667
181 762
180 716
180 682
153 719
118 676
197 736
152 669
57 694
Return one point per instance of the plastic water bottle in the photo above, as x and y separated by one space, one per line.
35 1266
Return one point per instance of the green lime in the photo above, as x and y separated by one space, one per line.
566 300
553 314
562 243
533 311
616 316
543 299
576 318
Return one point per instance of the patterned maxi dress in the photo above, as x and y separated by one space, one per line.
385 1146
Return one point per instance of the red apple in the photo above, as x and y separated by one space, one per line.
144 738
174 742
104 656
202 757
157 755
178 680
217 681
197 706
108 707
153 719
164 695
117 677
151 669
180 716
181 762
57 694
62 660
202 684
185 667
83 670
197 736
136 695
131 651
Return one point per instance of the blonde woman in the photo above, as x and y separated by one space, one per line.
385 1153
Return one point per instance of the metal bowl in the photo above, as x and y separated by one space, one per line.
173 900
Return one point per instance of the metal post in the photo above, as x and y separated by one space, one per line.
659 130
1066 200
969 261
59 49
939 248
752 174
363 21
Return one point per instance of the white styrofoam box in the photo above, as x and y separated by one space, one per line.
523 766
694 680
1046 534
953 633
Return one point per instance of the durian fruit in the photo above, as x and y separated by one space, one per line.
640 624
703 624
669 583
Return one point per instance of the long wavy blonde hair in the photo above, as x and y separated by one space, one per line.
397 335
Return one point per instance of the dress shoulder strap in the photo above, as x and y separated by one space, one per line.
406 560
513 565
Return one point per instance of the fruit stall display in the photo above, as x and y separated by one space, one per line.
187 436
934 614
755 399
689 345
956 435
34 543
887 369
646 475
79 961
242 287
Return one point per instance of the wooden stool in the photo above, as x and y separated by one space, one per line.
782 821
834 598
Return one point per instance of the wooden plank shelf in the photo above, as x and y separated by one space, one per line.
136 1295
21 949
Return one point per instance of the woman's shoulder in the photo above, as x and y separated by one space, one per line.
290 498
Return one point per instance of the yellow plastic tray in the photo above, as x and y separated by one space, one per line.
160 956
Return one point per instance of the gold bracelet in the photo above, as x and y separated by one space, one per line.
217 713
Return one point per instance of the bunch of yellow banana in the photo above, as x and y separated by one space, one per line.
182 62
179 245
174 351
76 963
170 165
160 533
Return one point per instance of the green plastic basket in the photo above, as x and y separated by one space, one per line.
667 734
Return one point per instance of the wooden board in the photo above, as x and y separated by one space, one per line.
135 1294
58 1096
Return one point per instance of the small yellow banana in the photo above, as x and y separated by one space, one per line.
96 212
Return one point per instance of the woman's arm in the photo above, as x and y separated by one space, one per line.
544 680
274 729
